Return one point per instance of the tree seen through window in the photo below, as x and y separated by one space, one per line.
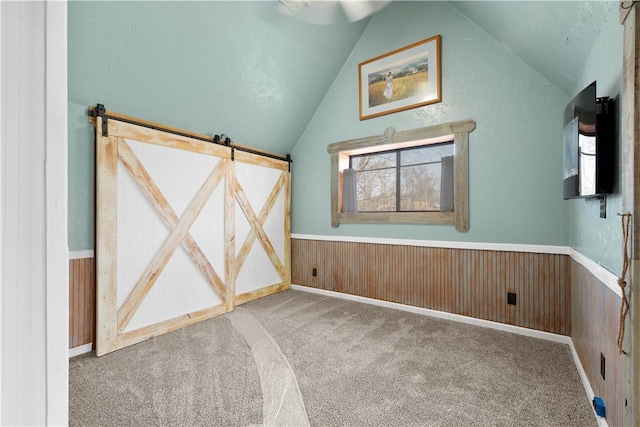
403 180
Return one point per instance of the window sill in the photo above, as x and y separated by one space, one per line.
447 218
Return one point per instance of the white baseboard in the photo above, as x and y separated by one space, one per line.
442 315
602 422
88 253
81 349
563 339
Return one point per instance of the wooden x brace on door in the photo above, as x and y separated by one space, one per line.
257 224
179 232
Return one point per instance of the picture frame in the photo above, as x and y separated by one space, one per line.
405 78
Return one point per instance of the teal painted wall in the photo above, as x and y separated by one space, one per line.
515 151
597 238
81 179
233 67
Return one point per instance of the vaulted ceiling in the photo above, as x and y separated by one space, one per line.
235 67
553 37
244 69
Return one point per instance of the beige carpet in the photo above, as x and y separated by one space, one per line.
355 364
202 375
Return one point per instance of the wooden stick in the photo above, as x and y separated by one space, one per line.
230 235
461 181
245 205
144 122
258 160
287 230
106 242
260 293
166 139
139 127
144 333
266 209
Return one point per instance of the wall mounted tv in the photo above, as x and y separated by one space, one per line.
588 145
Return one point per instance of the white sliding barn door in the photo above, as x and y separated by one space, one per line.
262 227
169 211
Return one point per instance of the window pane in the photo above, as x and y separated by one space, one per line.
420 187
426 154
419 172
376 190
373 161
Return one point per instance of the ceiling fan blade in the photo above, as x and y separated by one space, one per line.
360 9
326 12
312 12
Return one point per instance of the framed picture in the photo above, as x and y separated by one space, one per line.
400 80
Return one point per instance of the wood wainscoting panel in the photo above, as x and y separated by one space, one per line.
469 282
82 301
595 311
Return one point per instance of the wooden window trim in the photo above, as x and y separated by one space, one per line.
456 131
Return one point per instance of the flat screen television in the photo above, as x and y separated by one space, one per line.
588 145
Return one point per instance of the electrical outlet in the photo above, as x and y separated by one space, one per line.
603 207
511 298
314 272
602 366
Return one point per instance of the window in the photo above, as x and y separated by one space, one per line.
418 176
402 180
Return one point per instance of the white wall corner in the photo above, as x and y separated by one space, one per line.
33 208
57 274
1 197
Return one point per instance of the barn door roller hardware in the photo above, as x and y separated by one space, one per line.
286 158
100 111
226 141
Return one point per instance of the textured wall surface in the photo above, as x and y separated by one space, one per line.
515 151
81 179
597 238
594 307
235 67
524 27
